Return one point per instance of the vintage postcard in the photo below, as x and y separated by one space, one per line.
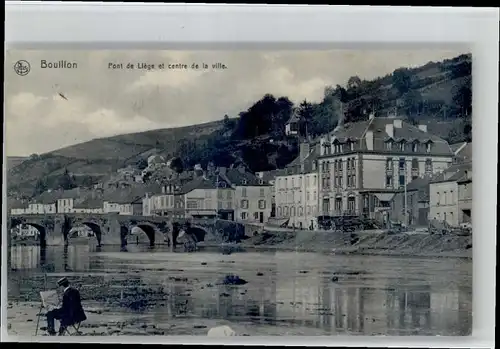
240 193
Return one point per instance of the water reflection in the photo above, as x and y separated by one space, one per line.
294 291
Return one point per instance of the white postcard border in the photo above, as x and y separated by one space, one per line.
158 26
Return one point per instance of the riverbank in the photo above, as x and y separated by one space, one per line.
365 243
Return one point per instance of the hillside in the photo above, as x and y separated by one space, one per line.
13 161
438 94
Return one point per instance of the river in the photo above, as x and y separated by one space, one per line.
153 291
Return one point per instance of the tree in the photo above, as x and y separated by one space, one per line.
412 102
177 165
66 181
141 163
306 113
40 187
401 80
353 82
228 123
462 98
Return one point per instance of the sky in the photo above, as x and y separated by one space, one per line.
98 101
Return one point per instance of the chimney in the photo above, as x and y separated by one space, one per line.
304 149
422 128
369 140
389 129
398 123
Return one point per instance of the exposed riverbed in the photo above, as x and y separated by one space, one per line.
157 292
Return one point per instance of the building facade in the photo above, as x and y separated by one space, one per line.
363 165
465 197
444 197
252 195
417 201
296 190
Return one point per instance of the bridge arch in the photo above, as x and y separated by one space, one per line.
152 232
42 231
94 227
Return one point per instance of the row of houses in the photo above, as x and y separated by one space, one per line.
363 168
229 193
382 168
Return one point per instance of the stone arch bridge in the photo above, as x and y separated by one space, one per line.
114 229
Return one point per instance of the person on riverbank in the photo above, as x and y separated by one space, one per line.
71 311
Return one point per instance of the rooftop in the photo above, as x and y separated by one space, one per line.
405 132
454 173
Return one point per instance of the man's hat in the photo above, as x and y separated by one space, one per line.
62 281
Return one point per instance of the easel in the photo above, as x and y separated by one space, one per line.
41 305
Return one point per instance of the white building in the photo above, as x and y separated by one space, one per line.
444 199
252 195
296 190
292 125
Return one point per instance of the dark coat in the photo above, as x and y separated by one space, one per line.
72 310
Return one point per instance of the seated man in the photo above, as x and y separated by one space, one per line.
71 311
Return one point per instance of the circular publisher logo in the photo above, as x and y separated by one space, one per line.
22 67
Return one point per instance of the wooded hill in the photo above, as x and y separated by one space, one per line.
438 93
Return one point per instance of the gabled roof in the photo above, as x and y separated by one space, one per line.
294 167
453 173
294 118
464 154
90 203
12 203
406 133
238 177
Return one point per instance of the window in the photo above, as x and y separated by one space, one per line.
388 181
256 215
314 195
388 145
244 215
351 146
338 204
401 180
192 204
402 164
389 164
353 180
428 147
308 210
402 145
451 197
415 147
300 181
438 198
314 166
308 196
262 204
301 211
244 192
244 181
261 192
279 211
244 204
428 166
445 198
220 194
351 203
229 195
